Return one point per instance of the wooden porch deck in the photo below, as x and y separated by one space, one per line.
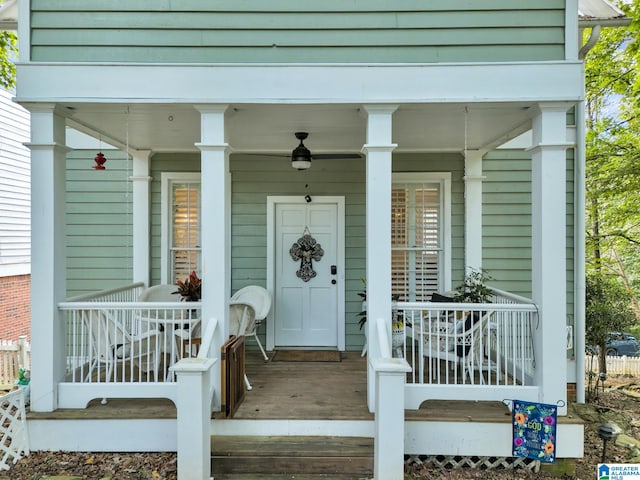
306 390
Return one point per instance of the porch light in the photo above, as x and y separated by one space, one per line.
100 160
301 156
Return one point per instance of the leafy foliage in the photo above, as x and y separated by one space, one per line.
8 52
190 288
362 316
613 155
607 310
473 288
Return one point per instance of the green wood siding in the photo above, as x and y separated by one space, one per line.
506 218
98 214
571 280
288 31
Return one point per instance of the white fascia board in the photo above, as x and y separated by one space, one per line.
300 84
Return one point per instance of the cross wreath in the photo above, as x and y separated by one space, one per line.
306 249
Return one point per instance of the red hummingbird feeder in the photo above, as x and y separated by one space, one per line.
100 160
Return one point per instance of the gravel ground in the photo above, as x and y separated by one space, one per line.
618 400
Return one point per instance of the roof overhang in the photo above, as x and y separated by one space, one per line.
600 12
9 15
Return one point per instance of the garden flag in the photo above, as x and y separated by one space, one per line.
534 431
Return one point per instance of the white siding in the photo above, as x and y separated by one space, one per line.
15 194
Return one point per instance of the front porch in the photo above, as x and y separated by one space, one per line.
294 399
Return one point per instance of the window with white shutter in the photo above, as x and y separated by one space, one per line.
419 258
185 245
180 226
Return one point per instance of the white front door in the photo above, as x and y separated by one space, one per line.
308 273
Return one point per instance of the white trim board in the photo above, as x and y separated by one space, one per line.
304 84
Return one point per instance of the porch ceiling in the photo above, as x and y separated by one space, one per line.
332 128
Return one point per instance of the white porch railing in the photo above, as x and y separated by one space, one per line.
126 293
126 342
117 347
480 351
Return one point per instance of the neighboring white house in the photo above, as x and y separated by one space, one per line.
15 223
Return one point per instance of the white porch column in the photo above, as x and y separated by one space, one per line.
216 220
378 151
48 256
548 161
473 210
141 223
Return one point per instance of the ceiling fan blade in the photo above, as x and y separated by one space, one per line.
254 154
334 156
319 156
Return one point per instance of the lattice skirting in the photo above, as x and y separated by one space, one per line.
487 463
13 428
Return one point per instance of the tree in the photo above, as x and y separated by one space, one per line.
8 52
613 153
607 310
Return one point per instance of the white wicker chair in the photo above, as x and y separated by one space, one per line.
112 344
185 338
460 344
248 307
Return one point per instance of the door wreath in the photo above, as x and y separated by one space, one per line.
305 249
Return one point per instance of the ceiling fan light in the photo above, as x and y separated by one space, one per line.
300 164
301 156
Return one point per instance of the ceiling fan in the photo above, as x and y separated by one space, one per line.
301 156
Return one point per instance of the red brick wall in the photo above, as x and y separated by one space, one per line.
15 307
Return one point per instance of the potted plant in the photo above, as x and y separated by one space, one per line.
397 324
363 295
190 288
473 288
22 383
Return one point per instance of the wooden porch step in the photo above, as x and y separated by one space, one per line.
340 458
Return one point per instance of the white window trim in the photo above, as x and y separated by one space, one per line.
444 179
166 180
